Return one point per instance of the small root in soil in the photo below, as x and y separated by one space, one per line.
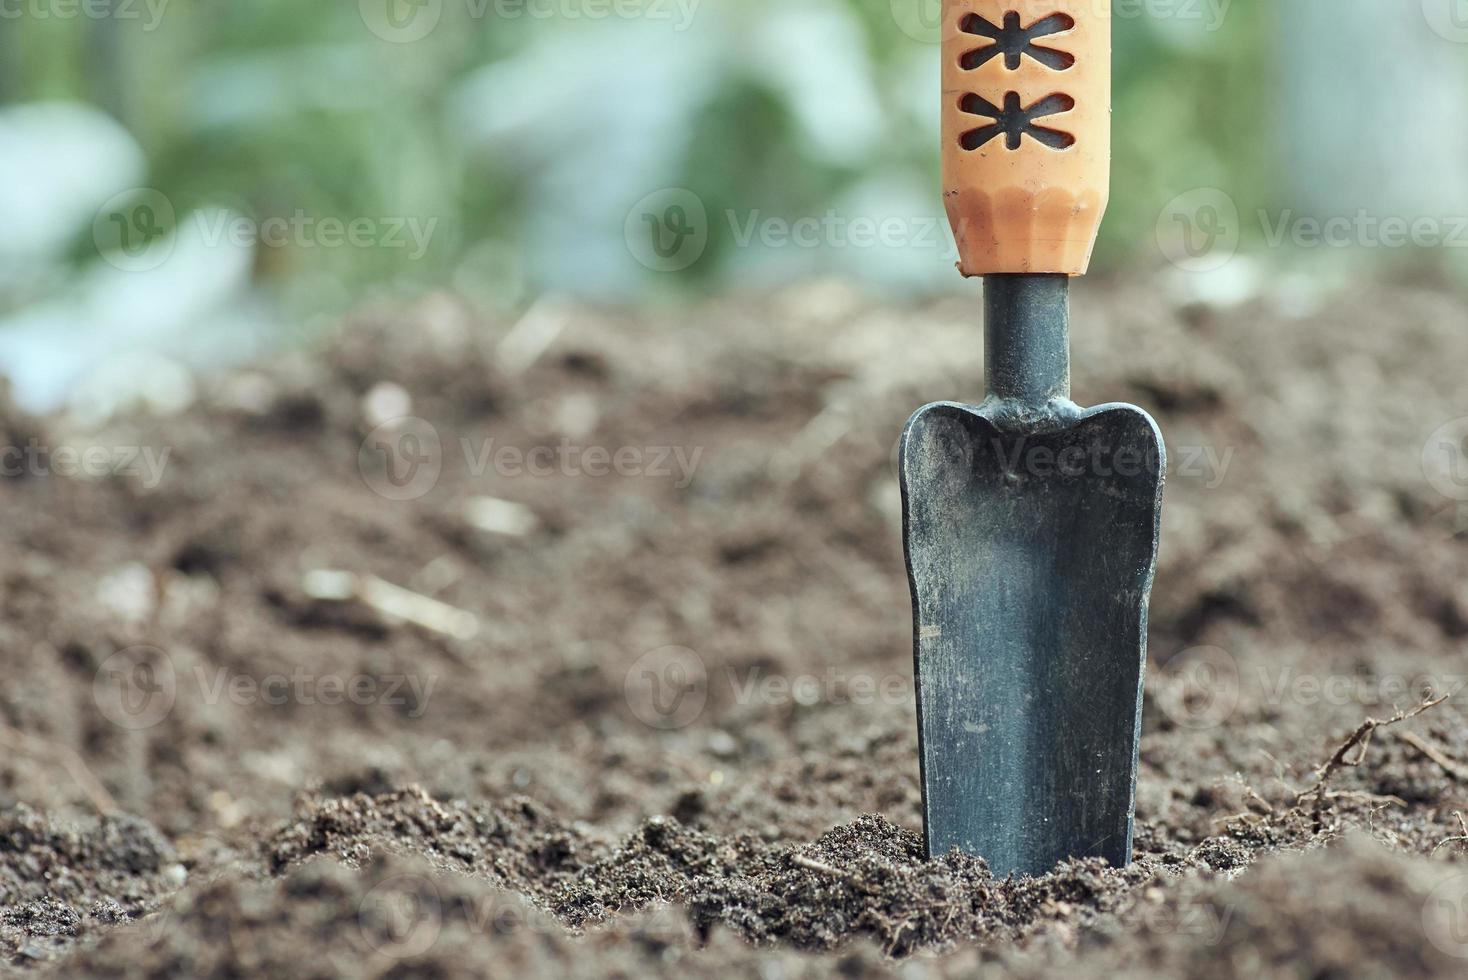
1433 754
1458 839
1358 741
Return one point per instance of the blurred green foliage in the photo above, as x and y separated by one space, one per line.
273 107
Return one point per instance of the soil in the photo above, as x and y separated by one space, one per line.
271 713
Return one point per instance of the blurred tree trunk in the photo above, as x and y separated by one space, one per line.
106 81
1372 110
9 91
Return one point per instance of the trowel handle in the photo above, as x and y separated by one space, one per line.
1026 132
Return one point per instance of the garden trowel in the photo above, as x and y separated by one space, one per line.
1031 523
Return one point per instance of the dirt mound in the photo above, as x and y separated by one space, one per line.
395 622
57 881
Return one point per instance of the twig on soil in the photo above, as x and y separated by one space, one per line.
504 517
1279 772
1461 838
73 763
896 941
1251 795
1389 836
1378 800
530 338
820 867
1434 754
827 428
1359 741
391 601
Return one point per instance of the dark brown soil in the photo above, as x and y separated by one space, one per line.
187 788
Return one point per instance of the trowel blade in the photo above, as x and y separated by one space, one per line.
1031 548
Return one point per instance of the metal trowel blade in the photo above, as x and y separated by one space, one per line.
1031 548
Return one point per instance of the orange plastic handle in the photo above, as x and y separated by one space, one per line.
1026 132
